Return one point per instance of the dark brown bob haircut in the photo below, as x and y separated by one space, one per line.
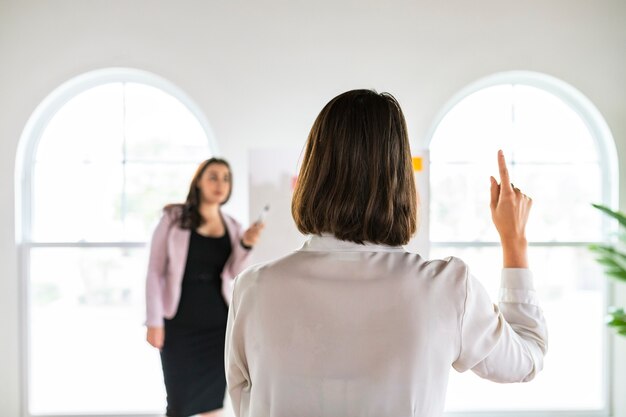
356 181
189 213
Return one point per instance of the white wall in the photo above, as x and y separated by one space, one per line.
261 71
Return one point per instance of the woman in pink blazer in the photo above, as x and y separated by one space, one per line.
196 252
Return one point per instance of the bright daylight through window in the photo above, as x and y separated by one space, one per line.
106 163
553 158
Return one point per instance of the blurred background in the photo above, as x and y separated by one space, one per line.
107 107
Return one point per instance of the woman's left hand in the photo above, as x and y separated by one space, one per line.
251 236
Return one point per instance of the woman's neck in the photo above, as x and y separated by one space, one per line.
209 212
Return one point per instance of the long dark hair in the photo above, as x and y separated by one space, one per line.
188 213
356 179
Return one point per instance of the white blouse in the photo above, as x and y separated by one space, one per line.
338 329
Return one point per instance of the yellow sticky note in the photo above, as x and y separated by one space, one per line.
417 163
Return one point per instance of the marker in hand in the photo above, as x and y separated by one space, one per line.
263 214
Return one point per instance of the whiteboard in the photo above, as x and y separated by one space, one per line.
273 172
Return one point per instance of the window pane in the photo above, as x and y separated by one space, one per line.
106 164
87 184
88 128
76 201
569 285
88 351
562 197
459 205
159 127
552 157
149 187
548 130
475 128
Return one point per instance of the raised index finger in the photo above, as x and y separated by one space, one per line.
505 181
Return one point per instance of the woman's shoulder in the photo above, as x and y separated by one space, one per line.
173 212
451 269
447 264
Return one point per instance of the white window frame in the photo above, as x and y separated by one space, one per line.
607 153
24 173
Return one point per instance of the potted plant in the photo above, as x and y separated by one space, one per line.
613 259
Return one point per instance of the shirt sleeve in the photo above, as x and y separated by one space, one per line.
507 342
155 278
237 261
237 376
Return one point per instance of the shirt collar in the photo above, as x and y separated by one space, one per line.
329 243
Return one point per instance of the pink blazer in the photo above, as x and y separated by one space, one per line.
166 266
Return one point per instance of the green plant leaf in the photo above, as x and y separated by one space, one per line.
608 250
616 317
613 259
619 275
610 256
608 262
620 217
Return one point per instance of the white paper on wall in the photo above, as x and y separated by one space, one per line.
273 173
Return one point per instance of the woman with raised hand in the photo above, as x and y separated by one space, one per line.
353 325
196 251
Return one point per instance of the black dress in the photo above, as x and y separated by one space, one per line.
193 352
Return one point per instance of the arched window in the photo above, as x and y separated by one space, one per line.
100 157
561 153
